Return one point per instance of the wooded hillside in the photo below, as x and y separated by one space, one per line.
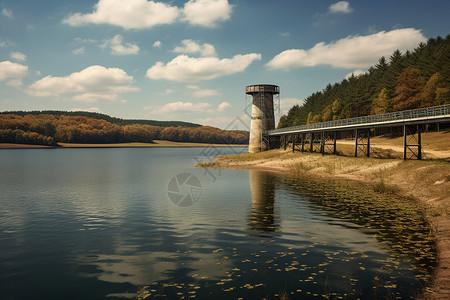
49 129
420 78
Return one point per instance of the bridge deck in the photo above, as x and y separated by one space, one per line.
435 114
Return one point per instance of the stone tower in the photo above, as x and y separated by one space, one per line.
263 117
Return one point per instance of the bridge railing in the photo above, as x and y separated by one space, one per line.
418 113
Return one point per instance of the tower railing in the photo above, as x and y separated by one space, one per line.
413 114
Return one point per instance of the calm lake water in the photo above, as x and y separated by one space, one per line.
99 223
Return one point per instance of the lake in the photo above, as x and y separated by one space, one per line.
123 223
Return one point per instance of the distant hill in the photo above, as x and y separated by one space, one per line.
40 128
420 78
100 116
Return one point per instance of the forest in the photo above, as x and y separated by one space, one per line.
414 79
110 119
49 129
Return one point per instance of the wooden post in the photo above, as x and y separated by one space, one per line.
356 142
311 145
285 142
368 142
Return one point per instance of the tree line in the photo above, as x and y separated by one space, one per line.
49 129
110 119
416 79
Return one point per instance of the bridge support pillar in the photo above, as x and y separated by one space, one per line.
334 143
413 141
303 141
293 143
311 142
285 141
322 143
362 142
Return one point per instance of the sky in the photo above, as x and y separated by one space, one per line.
191 60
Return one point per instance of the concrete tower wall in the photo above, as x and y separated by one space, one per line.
262 113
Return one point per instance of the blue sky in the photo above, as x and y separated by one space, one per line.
191 60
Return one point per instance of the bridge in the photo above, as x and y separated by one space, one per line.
321 137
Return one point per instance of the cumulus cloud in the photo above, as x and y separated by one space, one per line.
189 46
355 73
130 14
167 92
187 69
349 52
78 51
207 13
223 106
8 13
90 109
13 73
157 44
117 48
89 85
340 7
205 93
140 14
18 56
183 106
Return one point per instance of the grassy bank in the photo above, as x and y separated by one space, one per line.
427 182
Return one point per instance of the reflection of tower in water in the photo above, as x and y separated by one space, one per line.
262 217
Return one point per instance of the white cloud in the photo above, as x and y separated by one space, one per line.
223 106
205 93
117 48
192 87
189 46
287 103
355 73
207 12
157 44
90 109
349 52
167 92
78 51
130 14
18 56
12 72
89 85
187 69
8 13
93 97
183 107
340 7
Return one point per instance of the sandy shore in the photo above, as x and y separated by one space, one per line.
156 143
426 181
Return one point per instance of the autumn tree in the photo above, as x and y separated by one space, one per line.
428 95
408 90
381 104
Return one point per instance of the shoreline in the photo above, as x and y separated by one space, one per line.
155 144
425 181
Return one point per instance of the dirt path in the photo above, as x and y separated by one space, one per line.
434 153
